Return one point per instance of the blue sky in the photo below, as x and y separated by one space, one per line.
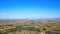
18 9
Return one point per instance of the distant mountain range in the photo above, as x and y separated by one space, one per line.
26 19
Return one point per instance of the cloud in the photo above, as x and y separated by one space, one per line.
4 14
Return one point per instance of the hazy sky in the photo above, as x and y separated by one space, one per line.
17 9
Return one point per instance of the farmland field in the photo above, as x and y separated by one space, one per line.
29 27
